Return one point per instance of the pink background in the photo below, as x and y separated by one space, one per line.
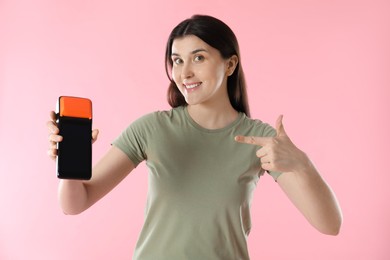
323 64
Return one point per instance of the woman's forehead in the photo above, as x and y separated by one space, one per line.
188 44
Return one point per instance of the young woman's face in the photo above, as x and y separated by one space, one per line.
199 71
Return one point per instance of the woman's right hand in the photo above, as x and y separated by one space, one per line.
55 138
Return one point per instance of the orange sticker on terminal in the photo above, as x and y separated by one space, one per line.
75 107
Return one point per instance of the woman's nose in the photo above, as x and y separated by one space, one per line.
187 71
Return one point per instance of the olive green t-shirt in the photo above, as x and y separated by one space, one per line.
201 185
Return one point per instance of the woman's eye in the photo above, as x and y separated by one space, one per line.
177 61
199 58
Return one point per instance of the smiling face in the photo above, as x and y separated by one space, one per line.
199 71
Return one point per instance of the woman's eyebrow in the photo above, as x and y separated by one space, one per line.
192 52
198 50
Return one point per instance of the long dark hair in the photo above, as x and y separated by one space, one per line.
219 36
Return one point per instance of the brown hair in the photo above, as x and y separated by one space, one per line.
218 35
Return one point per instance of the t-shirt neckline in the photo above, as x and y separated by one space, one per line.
206 130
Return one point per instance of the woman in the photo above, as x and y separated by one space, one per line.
204 156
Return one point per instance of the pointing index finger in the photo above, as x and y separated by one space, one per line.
261 141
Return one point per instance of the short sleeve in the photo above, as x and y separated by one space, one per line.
132 141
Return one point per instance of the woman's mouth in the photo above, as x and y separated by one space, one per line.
192 85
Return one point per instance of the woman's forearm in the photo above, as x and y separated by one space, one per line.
314 199
73 196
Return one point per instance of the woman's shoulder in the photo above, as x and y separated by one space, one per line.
258 126
163 114
159 117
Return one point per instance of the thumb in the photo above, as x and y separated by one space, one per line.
279 127
95 134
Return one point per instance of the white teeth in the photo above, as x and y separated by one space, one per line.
192 85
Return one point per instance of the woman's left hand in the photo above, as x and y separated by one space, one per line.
277 153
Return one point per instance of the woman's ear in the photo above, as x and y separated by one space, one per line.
231 65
